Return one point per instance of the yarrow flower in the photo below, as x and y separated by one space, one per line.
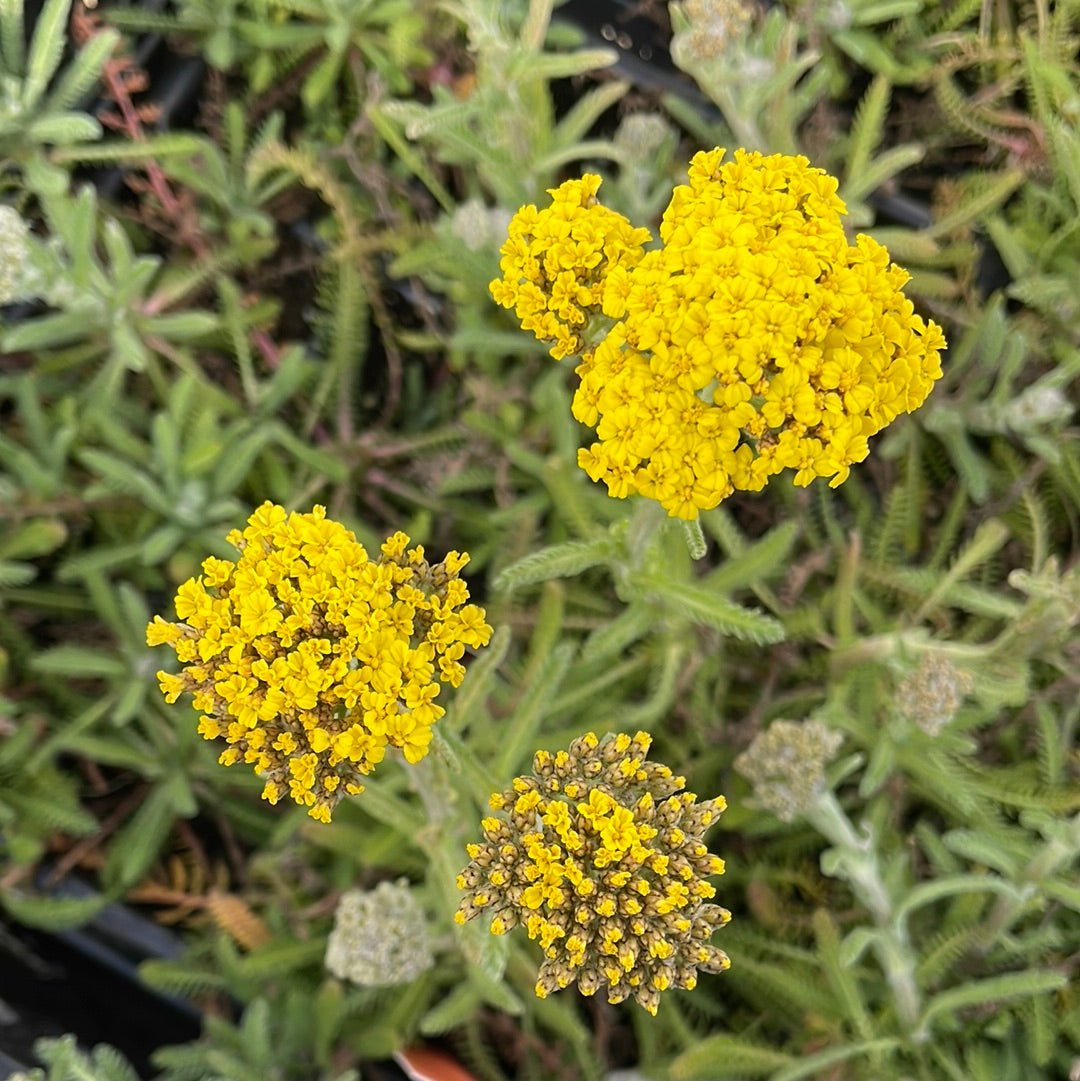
14 253
599 853
308 659
786 765
555 261
932 694
380 937
756 339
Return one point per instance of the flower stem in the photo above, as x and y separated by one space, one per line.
856 861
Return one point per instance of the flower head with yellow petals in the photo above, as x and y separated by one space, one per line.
308 659
599 853
755 340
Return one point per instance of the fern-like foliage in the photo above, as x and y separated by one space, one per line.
39 102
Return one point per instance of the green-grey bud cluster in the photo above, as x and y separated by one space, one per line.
786 765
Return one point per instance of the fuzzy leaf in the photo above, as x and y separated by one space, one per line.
816 1065
991 992
79 77
722 1056
453 1011
281 957
46 48
73 661
63 128
51 913
696 605
558 561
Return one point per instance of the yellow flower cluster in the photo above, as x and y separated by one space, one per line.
309 659
756 339
555 260
599 853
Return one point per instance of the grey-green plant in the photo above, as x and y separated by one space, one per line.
910 911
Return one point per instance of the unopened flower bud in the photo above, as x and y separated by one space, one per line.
786 765
380 937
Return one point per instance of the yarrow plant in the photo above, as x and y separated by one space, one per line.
755 339
309 659
786 765
380 937
599 853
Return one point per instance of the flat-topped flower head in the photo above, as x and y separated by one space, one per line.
308 659
786 765
380 937
555 260
932 694
755 340
599 853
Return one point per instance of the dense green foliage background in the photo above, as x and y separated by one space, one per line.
286 298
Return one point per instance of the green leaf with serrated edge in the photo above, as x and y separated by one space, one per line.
815 1065
883 168
520 730
79 77
72 661
34 538
496 992
328 1014
13 575
558 561
989 197
279 958
181 326
867 127
15 746
1064 892
718 1057
46 48
329 466
766 556
51 913
156 146
12 43
63 128
841 978
452 1011
991 992
988 850
695 605
928 892
139 842
49 332
629 626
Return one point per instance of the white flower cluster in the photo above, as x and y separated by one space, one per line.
380 937
14 252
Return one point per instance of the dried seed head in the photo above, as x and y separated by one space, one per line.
713 29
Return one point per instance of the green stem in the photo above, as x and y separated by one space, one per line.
1053 854
858 864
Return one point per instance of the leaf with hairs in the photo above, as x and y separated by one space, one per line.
698 605
722 1056
991 992
51 913
46 48
558 561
